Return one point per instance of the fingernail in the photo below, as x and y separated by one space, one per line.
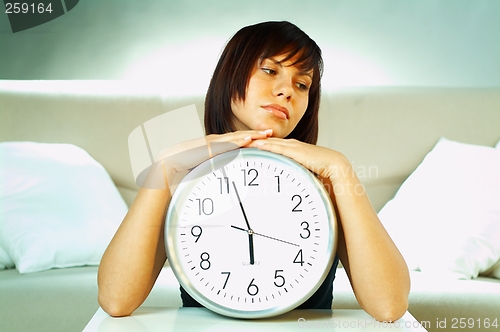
260 143
247 138
269 132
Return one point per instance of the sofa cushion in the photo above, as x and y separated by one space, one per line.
48 301
444 303
58 206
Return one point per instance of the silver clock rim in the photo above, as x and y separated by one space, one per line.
211 165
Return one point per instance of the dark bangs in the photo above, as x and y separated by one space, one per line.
307 52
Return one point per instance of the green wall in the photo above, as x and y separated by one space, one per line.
176 43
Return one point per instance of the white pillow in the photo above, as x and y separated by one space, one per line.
5 261
494 271
445 218
58 206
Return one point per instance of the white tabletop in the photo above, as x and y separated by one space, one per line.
199 319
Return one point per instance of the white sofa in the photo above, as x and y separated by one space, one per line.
385 132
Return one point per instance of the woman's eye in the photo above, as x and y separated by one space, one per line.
268 71
302 86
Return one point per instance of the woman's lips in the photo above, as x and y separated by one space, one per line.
277 110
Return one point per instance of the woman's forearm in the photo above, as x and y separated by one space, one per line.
377 271
135 255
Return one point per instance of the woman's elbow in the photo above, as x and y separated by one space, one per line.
390 312
114 307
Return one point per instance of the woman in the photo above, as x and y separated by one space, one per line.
264 93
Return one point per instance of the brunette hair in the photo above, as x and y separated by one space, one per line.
232 74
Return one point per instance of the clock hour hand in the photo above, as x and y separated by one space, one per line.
250 244
249 230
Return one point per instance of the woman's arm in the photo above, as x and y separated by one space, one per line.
377 271
136 254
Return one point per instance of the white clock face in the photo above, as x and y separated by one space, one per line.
250 234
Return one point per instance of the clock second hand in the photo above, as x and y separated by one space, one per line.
269 237
249 230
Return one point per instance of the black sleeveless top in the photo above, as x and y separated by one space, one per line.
321 299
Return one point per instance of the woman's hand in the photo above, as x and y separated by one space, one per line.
326 163
172 163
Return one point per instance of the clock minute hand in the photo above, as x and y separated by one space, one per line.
241 206
249 230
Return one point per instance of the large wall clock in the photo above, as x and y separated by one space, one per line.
250 234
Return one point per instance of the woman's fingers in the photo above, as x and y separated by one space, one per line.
288 147
317 159
240 138
217 144
174 162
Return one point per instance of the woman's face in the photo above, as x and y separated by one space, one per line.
277 96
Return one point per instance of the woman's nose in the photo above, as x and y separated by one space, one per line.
283 88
